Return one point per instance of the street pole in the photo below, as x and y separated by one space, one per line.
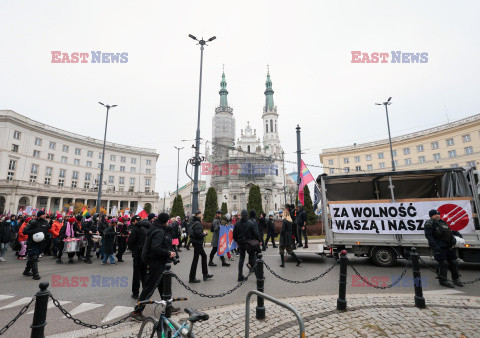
284 178
386 104
178 164
99 198
197 160
299 158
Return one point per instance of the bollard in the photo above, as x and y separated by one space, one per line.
417 279
342 283
260 309
40 314
167 288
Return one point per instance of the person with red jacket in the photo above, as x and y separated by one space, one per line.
55 231
22 239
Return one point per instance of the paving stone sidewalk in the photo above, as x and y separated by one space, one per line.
391 315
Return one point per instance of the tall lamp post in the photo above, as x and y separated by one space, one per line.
196 160
386 104
99 198
178 163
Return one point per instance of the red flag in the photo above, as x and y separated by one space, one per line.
305 177
140 212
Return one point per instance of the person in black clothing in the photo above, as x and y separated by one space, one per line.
286 239
262 225
197 237
293 216
156 252
185 230
270 231
135 245
122 234
34 248
110 235
102 227
301 221
89 229
441 239
243 231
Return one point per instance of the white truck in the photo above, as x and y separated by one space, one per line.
381 215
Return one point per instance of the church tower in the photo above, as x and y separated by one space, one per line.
271 141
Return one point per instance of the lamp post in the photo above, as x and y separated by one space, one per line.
99 198
197 160
386 104
178 163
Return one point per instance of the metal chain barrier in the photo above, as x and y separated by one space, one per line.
472 281
223 294
297 281
429 268
22 311
436 274
383 287
79 322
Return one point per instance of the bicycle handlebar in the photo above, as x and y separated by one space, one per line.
163 302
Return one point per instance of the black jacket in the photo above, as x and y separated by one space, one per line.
245 230
87 227
262 224
5 231
146 224
136 239
34 226
270 227
301 218
439 235
286 234
158 244
109 236
196 232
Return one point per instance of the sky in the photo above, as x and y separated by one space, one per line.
307 45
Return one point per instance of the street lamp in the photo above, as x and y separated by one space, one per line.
386 104
99 198
178 163
197 160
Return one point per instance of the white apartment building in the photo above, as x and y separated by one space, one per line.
46 167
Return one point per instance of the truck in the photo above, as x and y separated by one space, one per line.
381 214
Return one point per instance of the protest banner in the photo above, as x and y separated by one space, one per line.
225 240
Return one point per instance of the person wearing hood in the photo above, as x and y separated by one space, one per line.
5 235
286 238
110 242
135 243
243 231
197 238
40 224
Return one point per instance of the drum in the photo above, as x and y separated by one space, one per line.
83 242
71 245
96 238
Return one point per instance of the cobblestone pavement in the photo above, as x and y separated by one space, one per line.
371 315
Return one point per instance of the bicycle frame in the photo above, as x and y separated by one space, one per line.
176 332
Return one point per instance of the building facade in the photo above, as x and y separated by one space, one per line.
166 203
46 167
455 144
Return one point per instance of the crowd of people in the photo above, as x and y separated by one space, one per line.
153 242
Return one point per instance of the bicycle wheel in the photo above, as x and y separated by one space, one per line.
149 328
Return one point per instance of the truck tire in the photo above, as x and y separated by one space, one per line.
384 256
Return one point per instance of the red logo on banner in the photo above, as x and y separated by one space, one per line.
223 244
455 216
230 237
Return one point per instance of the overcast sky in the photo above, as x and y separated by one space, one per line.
307 44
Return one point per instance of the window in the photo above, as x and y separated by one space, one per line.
76 161
436 157
149 162
369 166
394 153
408 161
406 151
100 156
111 179
89 153
62 173
271 125
466 138
65 148
132 181
330 162
357 158
74 184
266 127
112 167
86 185
369 157
75 175
147 182
99 166
395 163
123 159
52 145
454 165
17 134
12 165
122 168
38 141
88 176
89 164
133 169
346 160
421 159
78 151
149 171
50 157
121 180
347 170
61 182
435 145
380 156
471 163
36 153
452 153
382 165
11 170
450 142
358 168
331 171
33 178
64 159
47 180
113 158
48 171
134 161
420 148
15 148
468 150
34 169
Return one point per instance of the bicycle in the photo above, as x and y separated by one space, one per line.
169 328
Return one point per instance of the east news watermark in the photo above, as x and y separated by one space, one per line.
385 57
88 57
384 281
94 281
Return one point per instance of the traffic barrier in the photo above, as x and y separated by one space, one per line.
260 309
342 282
417 278
40 313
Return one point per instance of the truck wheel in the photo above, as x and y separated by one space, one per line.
384 256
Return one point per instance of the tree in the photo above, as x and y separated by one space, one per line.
211 205
255 199
308 206
224 208
177 207
148 208
77 207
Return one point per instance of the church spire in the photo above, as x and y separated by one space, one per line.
223 91
268 92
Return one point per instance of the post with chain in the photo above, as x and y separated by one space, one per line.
342 283
259 273
40 314
417 279
167 288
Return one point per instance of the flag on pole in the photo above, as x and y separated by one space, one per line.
305 177
140 212
84 211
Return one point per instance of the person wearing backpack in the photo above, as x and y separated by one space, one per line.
156 252
135 244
